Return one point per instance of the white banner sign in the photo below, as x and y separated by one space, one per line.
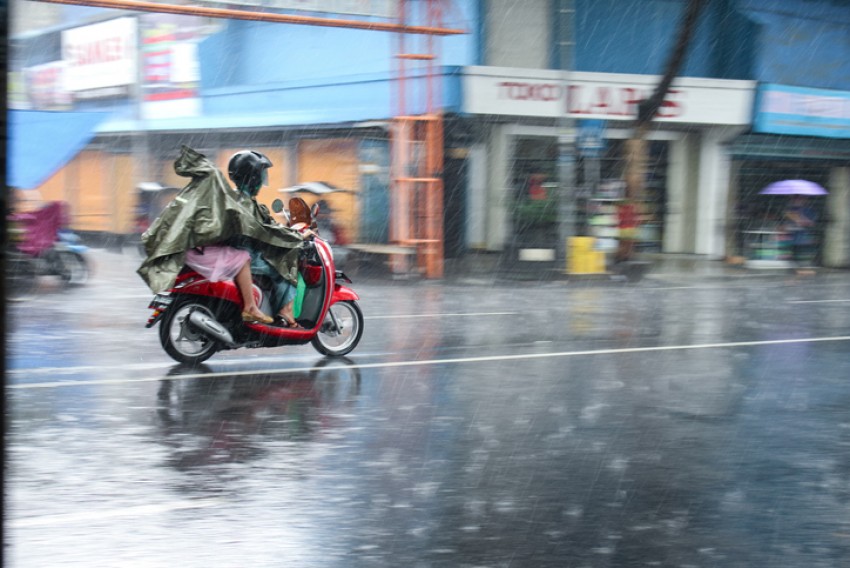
100 55
45 86
604 96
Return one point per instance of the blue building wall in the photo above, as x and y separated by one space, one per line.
792 42
332 74
350 98
636 36
801 42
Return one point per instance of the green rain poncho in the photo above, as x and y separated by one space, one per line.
207 212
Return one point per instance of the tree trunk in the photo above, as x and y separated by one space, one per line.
636 151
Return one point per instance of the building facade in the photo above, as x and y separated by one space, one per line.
763 93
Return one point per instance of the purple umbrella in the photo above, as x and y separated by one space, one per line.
794 187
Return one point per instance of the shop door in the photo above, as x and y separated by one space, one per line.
535 180
375 191
601 187
335 162
454 206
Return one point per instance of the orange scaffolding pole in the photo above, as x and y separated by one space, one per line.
231 14
417 158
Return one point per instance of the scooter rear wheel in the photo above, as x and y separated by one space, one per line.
21 276
74 270
180 339
341 331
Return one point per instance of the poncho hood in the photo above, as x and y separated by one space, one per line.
208 211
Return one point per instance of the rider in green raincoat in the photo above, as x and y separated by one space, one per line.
208 212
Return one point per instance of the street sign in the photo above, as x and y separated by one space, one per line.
591 137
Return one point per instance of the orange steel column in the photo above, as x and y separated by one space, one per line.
417 159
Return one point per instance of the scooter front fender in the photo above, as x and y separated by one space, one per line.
343 293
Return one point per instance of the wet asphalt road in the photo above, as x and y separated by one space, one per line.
673 422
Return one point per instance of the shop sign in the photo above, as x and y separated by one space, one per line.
606 96
604 100
689 100
519 93
45 86
800 111
591 137
101 57
170 66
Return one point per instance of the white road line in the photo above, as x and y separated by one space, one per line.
144 366
135 511
817 301
431 362
451 315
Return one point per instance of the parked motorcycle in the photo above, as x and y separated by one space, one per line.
151 199
198 317
44 246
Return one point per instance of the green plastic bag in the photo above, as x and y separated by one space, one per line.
299 297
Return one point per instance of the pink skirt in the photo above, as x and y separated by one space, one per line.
217 262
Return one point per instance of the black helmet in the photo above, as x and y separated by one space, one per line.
246 169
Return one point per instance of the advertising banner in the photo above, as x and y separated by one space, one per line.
45 87
100 59
782 109
171 71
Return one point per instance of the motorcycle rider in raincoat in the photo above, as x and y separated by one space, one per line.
209 212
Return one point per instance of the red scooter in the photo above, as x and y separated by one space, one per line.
198 317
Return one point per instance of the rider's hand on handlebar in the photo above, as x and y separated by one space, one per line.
302 228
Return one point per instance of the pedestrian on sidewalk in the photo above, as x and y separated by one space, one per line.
799 221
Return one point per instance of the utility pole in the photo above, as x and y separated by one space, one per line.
566 133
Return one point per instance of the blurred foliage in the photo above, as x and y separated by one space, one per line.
537 212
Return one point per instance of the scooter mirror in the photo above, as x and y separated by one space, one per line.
277 207
314 210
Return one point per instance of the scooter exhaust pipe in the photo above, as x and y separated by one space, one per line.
211 327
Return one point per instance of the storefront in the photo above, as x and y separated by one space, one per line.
154 104
520 114
354 160
798 133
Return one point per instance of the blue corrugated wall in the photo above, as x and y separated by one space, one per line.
636 36
801 42
261 67
792 42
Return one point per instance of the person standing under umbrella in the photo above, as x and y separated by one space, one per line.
799 220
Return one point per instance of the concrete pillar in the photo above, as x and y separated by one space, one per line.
690 213
677 180
499 188
477 198
836 246
712 192
732 204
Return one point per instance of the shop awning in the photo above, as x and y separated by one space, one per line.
41 142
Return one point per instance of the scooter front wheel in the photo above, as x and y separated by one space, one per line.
180 339
341 331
